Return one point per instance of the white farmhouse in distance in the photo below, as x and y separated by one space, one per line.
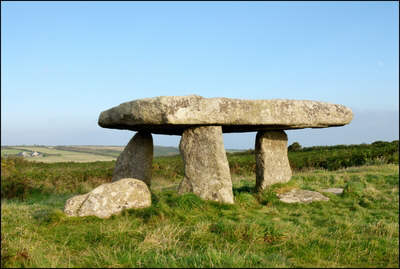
35 154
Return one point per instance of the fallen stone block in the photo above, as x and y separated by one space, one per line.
301 196
109 199
333 190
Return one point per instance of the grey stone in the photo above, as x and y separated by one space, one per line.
73 204
272 163
333 190
206 166
174 114
201 122
109 199
301 196
135 161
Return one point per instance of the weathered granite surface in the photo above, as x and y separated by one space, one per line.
333 190
206 166
174 114
272 163
109 199
301 196
135 161
201 122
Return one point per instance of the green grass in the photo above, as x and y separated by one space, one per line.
103 151
356 229
10 151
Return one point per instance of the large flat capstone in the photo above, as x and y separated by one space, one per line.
174 114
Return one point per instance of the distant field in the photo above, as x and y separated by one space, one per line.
9 152
54 154
116 148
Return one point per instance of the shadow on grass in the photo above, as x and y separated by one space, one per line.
246 189
48 215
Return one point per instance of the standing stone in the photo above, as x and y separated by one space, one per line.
272 163
136 159
206 166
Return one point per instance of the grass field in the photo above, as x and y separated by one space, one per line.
359 228
56 155
10 151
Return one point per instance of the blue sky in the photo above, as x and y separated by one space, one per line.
62 63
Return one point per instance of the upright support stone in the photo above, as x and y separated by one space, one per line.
136 159
272 163
206 166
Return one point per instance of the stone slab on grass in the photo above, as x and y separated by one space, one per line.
301 196
333 190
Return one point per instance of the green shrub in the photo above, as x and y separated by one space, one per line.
354 188
342 156
294 147
14 183
14 187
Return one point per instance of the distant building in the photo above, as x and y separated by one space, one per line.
35 154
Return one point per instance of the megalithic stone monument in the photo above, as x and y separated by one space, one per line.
201 122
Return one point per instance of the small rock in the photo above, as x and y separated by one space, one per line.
301 196
333 190
109 199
